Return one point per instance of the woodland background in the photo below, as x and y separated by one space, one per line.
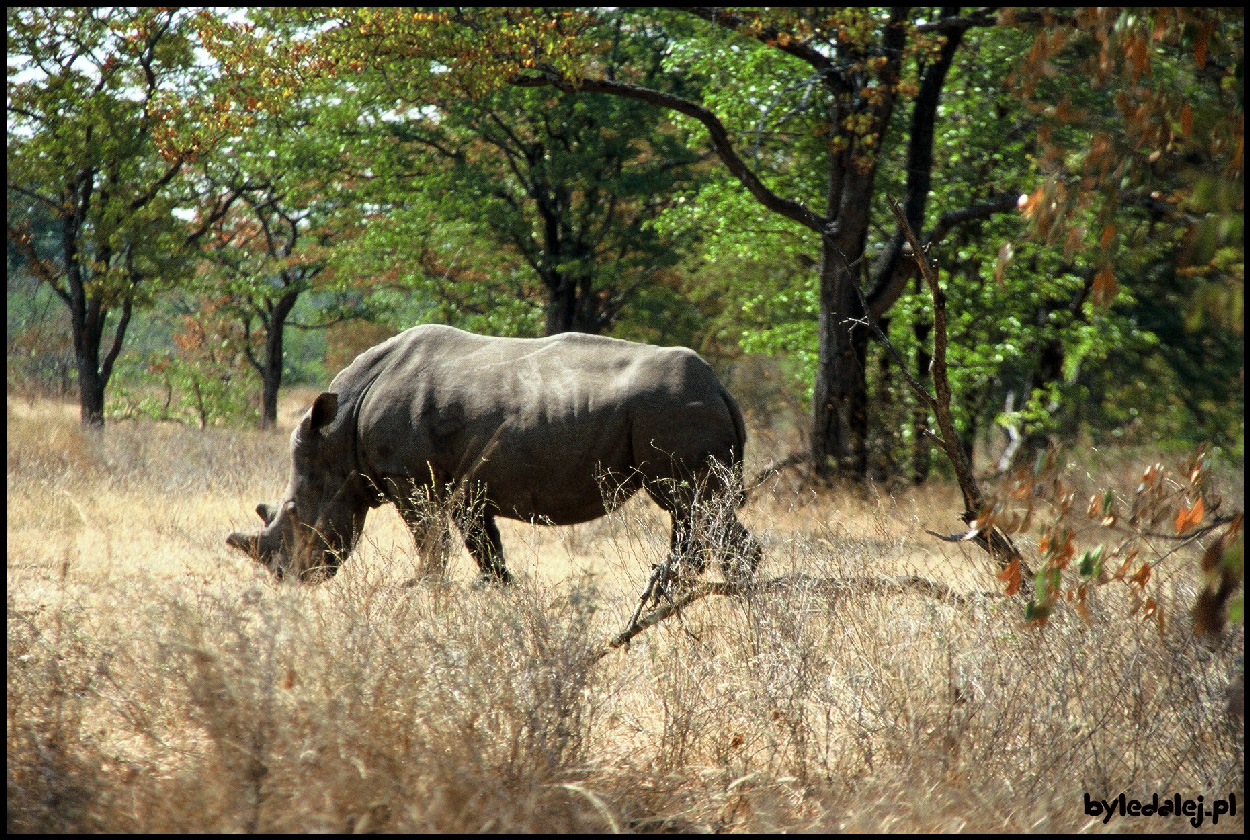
211 212
206 206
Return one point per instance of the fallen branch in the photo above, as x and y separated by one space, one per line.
794 459
827 586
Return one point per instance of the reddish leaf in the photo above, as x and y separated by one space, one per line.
1011 576
1189 517
1066 552
1105 287
1140 55
1108 237
1161 24
1128 561
1081 604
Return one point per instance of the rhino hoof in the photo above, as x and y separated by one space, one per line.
500 578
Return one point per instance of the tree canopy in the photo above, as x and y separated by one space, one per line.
706 175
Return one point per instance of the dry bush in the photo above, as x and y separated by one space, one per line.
158 682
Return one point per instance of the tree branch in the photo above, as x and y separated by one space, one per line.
721 141
770 35
993 540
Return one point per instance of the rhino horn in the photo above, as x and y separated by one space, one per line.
248 544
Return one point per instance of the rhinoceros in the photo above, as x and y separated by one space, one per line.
556 430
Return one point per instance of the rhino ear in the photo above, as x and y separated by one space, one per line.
324 408
265 512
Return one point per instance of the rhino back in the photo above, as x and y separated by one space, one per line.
538 420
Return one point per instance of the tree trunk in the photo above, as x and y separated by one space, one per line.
90 394
271 379
270 368
840 393
571 305
87 322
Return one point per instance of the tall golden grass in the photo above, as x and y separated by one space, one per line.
159 682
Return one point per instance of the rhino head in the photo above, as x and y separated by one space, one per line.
322 513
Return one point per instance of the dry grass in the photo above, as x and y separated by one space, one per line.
159 682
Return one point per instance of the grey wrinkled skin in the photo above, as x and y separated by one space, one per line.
538 430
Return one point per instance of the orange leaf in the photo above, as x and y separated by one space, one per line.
1161 27
1081 603
1187 119
1108 237
1140 56
1011 576
1128 561
1141 576
1189 518
1105 287
1066 552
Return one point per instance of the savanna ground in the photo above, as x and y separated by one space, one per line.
159 682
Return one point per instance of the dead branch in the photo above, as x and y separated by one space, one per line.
993 539
831 587
794 459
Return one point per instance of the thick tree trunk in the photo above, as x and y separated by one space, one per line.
90 394
270 367
840 393
87 321
271 378
572 306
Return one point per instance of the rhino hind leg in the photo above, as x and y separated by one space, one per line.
740 563
707 525
481 537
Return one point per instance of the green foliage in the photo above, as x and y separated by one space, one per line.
190 371
92 195
88 92
40 354
377 163
552 197
193 392
1030 318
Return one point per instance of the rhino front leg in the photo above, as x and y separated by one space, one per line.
481 537
429 528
